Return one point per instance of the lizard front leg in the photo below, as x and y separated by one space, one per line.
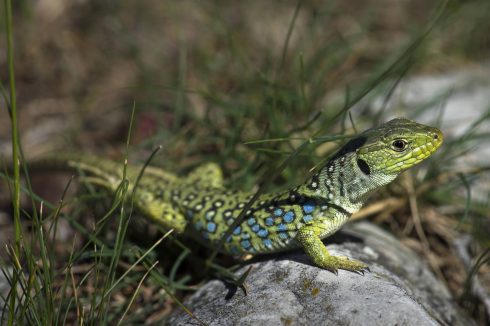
308 238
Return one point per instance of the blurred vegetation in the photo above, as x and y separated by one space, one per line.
244 84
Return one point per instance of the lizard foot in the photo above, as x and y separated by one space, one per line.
334 263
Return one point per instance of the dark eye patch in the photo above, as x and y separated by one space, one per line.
363 166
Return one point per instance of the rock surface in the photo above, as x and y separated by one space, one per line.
287 290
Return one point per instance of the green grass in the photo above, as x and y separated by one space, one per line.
268 113
12 107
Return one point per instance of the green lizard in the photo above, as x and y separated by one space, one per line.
199 205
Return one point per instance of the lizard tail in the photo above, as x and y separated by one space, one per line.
73 162
111 171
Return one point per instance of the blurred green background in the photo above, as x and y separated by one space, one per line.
243 84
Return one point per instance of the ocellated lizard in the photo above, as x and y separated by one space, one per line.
302 216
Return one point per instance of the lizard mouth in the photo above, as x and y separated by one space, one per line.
435 139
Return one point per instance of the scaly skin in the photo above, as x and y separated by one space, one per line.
302 216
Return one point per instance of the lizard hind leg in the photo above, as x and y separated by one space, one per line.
308 238
160 212
208 174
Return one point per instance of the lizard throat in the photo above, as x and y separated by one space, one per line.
347 182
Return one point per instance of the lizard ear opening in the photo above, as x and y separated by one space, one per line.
363 166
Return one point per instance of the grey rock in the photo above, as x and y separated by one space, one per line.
287 290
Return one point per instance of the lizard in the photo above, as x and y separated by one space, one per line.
199 205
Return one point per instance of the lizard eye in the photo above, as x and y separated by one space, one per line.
399 145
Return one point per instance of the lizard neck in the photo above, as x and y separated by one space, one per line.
346 182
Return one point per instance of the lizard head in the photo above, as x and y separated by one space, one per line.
395 146
373 159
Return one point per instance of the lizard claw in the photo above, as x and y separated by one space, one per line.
348 265
332 269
